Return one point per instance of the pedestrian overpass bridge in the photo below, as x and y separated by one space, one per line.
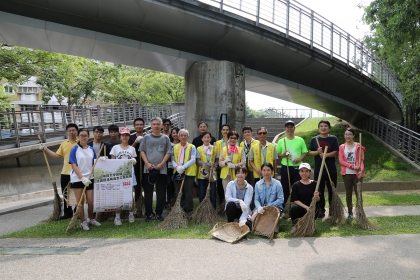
289 52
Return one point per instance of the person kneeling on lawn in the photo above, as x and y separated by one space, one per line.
302 193
268 192
238 197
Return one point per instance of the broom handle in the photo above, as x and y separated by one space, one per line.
90 174
326 167
360 153
287 165
322 168
46 161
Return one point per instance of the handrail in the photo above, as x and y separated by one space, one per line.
298 21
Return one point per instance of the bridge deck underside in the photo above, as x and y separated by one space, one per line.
170 36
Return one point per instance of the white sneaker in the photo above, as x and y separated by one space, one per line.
131 218
94 222
84 225
117 221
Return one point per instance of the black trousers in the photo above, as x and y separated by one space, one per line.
64 180
170 187
284 180
219 187
232 211
160 194
137 189
325 181
297 212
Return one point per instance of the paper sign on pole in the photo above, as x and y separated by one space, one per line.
113 187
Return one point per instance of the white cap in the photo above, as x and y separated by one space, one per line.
304 165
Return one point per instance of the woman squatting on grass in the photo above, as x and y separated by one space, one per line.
81 159
302 193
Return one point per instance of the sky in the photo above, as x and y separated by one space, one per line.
343 13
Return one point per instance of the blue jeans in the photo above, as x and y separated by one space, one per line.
202 184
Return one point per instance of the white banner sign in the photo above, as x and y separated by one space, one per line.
113 187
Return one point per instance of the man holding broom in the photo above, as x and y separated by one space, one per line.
292 151
134 141
325 140
64 151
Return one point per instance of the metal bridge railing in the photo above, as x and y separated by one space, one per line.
404 140
297 21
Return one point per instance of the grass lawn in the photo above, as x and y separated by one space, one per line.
141 229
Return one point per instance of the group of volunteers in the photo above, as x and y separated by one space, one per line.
241 174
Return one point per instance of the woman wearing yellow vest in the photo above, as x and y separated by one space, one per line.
220 144
246 144
265 152
206 161
230 157
183 160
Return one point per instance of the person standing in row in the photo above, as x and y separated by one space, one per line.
96 143
183 160
206 160
352 167
113 131
231 157
292 150
82 158
325 140
155 150
124 151
202 127
166 127
246 144
220 144
170 187
64 152
263 153
134 141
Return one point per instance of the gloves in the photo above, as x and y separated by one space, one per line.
180 169
138 139
42 147
261 210
230 165
102 158
228 158
222 163
133 161
86 181
243 206
242 222
206 166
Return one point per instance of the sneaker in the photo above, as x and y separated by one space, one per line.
131 218
293 230
84 225
349 218
117 221
94 222
150 217
159 218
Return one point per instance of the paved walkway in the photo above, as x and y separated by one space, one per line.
366 257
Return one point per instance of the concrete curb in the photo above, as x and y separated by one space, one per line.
27 206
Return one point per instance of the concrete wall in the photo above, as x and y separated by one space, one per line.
213 88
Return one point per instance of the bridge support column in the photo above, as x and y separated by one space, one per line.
213 88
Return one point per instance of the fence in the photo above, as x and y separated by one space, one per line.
296 20
404 140
295 113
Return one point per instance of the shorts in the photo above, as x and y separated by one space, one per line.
80 185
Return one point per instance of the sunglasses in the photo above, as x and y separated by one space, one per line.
262 133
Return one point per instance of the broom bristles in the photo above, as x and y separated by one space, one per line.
336 208
55 215
286 210
205 213
140 206
176 218
306 225
73 220
220 210
361 218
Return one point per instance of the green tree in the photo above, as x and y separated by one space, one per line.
395 38
250 113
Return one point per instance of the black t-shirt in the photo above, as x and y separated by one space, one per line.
197 142
303 193
332 143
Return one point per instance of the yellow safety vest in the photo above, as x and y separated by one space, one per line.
192 170
203 157
259 157
242 145
235 160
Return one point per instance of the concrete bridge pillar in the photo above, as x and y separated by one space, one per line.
213 88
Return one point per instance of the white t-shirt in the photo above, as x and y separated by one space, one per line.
128 153
84 159
350 155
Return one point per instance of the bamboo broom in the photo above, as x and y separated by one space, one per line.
176 218
73 220
336 214
205 213
361 218
55 215
288 203
306 225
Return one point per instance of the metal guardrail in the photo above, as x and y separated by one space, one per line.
21 128
295 113
404 140
298 21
